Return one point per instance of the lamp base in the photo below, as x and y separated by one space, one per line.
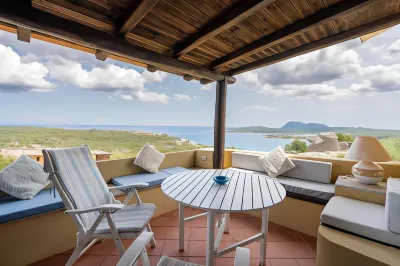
368 173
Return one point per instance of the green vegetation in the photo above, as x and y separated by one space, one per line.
4 161
297 146
121 144
344 137
392 145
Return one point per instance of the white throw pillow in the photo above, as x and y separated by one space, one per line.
276 162
149 158
23 178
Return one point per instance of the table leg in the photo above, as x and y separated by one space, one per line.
227 222
181 226
264 240
210 255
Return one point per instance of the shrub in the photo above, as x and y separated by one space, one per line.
296 146
4 161
344 137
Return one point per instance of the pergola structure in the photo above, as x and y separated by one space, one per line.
205 40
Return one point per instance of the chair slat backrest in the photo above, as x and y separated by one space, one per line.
77 173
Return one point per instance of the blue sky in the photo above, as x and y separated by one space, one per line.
351 84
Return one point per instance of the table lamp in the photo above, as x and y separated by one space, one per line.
367 150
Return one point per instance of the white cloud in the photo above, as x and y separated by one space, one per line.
17 75
111 97
196 97
379 79
261 108
206 87
157 76
148 96
128 83
394 48
182 97
312 75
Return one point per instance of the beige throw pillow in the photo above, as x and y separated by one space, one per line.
276 162
149 158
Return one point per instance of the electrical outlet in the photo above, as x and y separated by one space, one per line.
204 158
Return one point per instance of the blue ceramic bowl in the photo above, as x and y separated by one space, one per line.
220 180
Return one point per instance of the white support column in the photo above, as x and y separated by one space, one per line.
210 252
181 226
264 240
227 222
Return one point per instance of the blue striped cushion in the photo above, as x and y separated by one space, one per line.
81 179
13 209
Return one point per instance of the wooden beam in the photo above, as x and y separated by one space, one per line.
152 69
205 81
321 17
231 17
101 55
219 125
139 13
24 34
377 25
21 13
188 77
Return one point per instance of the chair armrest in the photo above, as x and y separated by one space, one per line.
242 257
137 185
103 208
132 254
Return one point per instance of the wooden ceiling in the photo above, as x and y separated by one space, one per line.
199 39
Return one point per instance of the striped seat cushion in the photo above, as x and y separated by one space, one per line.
77 172
167 261
132 219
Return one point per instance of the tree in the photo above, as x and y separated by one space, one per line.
297 146
344 137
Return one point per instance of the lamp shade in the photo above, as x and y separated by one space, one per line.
367 149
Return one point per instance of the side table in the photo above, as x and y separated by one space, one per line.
350 187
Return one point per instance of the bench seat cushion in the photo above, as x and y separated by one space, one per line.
360 218
303 189
12 208
304 169
153 179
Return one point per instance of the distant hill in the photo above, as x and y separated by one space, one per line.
355 131
301 125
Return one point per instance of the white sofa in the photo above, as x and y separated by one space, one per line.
309 180
368 220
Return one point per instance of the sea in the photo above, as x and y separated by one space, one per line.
200 135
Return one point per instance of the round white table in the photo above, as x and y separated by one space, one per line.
243 192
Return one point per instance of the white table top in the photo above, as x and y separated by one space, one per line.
244 191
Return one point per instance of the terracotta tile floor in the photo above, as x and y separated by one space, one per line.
286 247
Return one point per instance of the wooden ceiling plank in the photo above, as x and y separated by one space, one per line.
374 26
72 15
223 22
139 13
23 14
302 26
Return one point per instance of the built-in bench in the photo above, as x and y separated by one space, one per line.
309 180
153 179
12 208
359 218
48 200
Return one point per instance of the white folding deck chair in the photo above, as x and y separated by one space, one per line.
90 202
138 249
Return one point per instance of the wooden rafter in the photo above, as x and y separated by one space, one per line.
139 13
101 55
319 18
231 17
21 13
374 26
23 34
